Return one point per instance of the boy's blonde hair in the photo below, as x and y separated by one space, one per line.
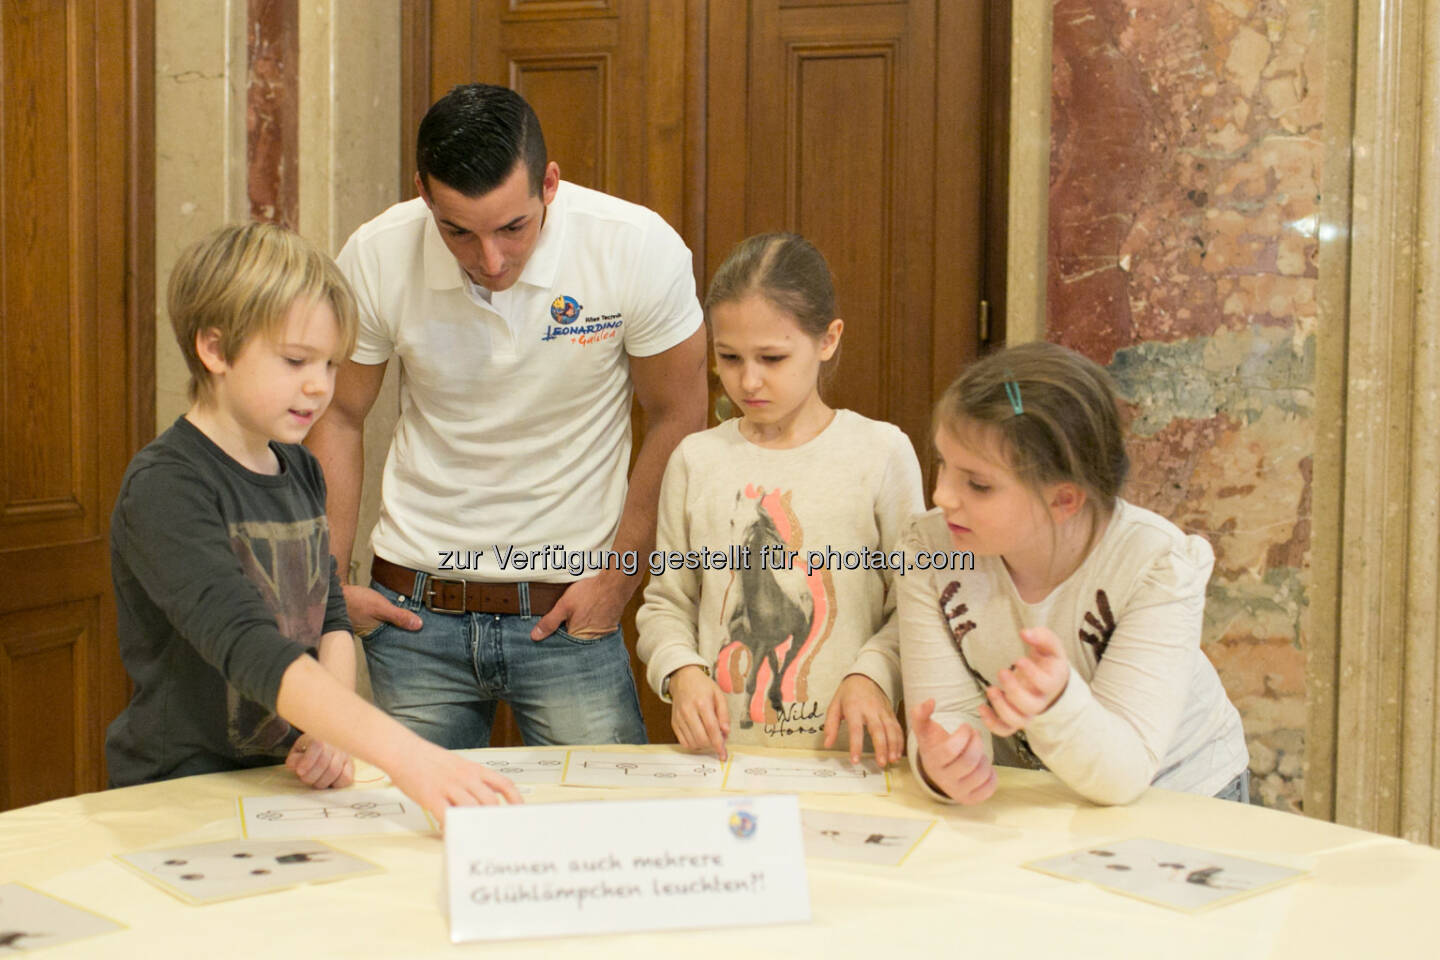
242 280
1053 413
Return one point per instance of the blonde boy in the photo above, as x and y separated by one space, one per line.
220 549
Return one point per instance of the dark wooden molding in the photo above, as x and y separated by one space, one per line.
998 29
415 18
697 13
140 223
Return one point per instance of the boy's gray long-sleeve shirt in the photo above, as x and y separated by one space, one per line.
223 578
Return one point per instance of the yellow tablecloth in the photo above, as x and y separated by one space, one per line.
962 892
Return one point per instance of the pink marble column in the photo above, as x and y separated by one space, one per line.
272 111
1185 180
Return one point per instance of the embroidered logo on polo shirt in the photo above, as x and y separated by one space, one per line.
565 311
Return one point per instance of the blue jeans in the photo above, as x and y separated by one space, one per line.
444 680
1237 789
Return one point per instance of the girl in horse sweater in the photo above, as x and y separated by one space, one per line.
792 635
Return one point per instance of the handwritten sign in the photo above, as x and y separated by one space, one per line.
573 868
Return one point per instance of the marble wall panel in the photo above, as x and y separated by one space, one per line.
199 155
1186 156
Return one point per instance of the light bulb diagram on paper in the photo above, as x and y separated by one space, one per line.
360 811
594 768
855 773
521 765
801 774
332 813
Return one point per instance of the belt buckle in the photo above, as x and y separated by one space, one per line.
429 598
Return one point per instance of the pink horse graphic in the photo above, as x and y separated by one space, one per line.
774 635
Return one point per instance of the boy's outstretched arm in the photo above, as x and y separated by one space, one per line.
317 763
337 655
317 703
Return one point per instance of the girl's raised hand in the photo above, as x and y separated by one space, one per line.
954 763
1029 686
862 705
697 711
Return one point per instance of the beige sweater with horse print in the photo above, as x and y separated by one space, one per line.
778 579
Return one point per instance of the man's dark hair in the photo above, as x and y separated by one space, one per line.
471 138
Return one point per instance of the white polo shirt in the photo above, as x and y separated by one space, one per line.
514 427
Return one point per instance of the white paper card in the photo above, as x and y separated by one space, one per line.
579 868
1167 874
227 869
639 768
751 773
830 835
329 813
30 920
521 766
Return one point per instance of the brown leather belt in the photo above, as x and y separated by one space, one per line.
466 596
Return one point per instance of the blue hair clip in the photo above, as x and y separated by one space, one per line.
1012 392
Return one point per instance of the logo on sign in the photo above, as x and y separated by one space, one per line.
565 309
742 823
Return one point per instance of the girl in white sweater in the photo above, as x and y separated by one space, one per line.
1074 643
775 622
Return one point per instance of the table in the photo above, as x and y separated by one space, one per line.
962 892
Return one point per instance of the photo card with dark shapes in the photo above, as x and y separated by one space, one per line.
227 869
1167 874
31 920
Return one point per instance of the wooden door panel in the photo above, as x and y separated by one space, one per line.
839 196
45 670
74 291
573 62
547 9
842 130
48 365
575 88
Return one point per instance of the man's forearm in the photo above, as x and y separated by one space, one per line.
340 447
637 520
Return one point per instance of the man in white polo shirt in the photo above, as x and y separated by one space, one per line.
523 311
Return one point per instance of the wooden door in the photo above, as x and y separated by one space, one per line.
76 370
861 124
608 79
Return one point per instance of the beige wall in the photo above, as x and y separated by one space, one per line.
199 153
349 119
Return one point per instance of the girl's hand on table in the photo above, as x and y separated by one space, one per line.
1029 687
697 711
862 705
320 765
954 763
